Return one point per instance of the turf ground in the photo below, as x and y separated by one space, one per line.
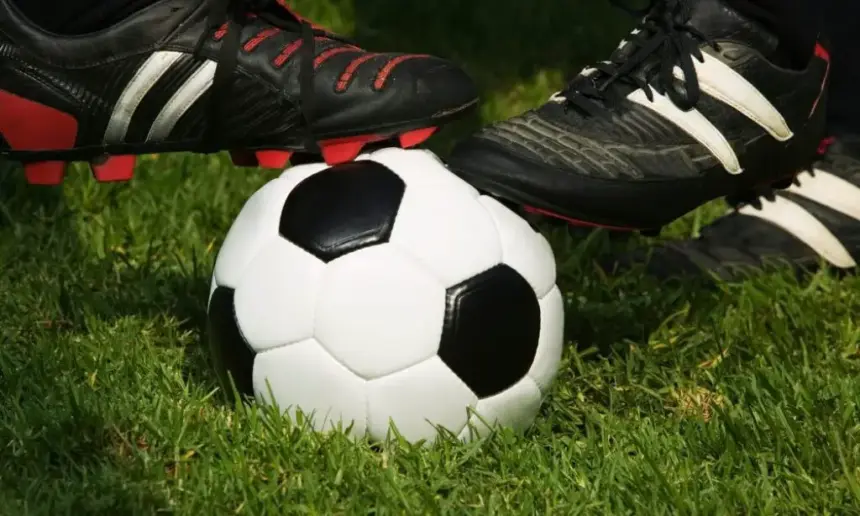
673 398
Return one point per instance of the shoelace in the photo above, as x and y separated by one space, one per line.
663 31
231 16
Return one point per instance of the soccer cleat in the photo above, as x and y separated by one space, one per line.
815 220
693 106
248 76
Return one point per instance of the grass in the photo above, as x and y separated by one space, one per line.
673 397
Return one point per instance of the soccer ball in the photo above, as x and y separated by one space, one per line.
387 290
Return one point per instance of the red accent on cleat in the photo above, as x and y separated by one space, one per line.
45 173
416 137
242 158
273 158
385 72
114 168
344 150
825 144
823 54
30 126
574 222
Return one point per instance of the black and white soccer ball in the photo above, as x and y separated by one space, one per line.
387 290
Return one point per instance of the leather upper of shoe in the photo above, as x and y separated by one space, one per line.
615 138
352 88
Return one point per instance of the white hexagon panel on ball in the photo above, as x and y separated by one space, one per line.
387 291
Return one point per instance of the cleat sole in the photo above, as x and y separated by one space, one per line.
45 151
582 223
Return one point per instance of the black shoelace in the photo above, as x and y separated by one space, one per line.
233 15
663 32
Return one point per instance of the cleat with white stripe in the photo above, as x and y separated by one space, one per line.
246 76
814 222
696 104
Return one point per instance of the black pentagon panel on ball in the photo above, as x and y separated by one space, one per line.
343 209
492 326
230 353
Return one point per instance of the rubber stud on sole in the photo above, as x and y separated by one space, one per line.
45 173
337 153
113 168
273 159
416 137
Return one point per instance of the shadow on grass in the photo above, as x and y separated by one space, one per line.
62 438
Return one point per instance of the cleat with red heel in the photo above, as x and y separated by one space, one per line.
249 82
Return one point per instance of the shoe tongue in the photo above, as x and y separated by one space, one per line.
718 21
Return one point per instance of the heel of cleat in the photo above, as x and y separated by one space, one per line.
113 168
26 125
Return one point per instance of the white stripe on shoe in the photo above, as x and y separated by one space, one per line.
181 101
693 123
798 222
720 81
831 191
152 70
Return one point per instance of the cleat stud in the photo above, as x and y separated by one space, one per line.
243 158
344 152
416 137
45 173
113 168
273 158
